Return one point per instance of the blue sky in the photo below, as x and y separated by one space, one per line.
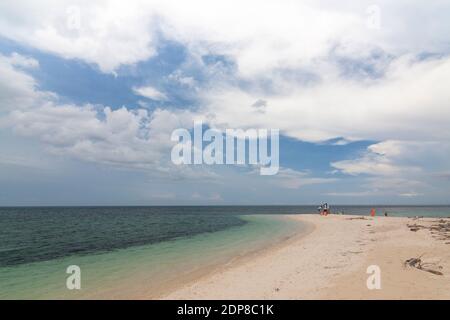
87 104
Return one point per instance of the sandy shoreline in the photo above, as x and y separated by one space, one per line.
330 262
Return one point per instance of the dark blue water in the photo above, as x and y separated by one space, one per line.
41 234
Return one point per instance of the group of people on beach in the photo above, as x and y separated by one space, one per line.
324 209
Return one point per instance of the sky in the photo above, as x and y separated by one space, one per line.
90 93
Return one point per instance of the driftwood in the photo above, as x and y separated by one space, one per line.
419 264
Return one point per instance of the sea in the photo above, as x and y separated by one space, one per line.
141 252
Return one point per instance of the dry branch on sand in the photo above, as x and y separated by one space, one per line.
419 264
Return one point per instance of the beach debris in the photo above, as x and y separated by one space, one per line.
439 229
415 227
357 218
419 264
413 262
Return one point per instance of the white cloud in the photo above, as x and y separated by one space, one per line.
18 60
301 50
260 36
395 158
123 138
106 33
341 142
411 194
150 92
292 179
409 103
371 164
126 138
178 77
18 90
406 168
275 42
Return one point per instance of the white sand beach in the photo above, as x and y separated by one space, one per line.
330 262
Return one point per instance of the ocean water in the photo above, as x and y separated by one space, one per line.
124 252
139 252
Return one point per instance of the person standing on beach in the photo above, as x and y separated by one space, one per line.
325 209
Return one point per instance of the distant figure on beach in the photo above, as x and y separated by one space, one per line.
324 209
385 214
372 212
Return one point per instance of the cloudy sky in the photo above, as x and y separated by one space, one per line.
90 94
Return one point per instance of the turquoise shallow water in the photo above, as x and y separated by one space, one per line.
143 271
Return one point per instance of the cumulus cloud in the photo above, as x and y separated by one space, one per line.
398 158
409 103
106 33
126 138
406 168
18 90
18 60
259 36
131 138
316 70
371 164
395 96
122 137
150 93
